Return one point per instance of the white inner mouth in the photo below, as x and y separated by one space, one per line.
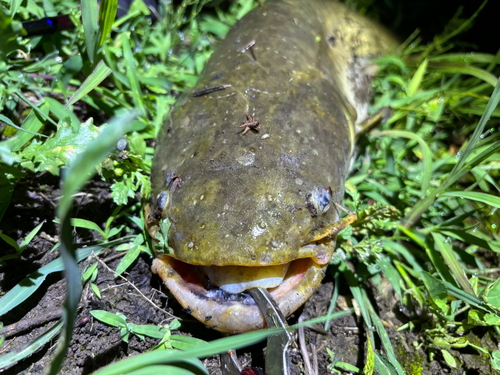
237 279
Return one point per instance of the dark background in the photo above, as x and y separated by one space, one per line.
433 16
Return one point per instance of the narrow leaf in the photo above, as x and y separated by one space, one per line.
128 259
37 109
99 74
455 68
475 196
33 124
10 123
109 318
89 19
452 262
417 78
30 284
426 154
30 348
30 236
150 331
107 14
12 242
132 73
87 224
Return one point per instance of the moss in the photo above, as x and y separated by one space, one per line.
413 363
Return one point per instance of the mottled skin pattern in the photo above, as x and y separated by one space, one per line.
243 197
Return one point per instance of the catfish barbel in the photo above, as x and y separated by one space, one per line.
252 167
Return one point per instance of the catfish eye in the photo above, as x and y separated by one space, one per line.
169 177
121 144
326 197
161 199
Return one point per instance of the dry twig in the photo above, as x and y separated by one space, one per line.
133 286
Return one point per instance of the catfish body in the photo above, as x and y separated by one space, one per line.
249 203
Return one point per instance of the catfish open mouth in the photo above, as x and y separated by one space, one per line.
237 312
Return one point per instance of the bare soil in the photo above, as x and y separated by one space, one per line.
95 345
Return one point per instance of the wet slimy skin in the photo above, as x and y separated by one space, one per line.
253 200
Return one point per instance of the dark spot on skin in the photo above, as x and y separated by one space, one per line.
187 310
312 210
207 318
216 77
294 209
331 40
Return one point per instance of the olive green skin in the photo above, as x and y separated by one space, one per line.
243 197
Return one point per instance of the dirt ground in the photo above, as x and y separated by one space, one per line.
95 344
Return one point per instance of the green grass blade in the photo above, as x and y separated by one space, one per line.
132 74
435 256
333 300
128 259
416 80
78 172
84 165
461 167
452 262
61 112
10 123
436 288
87 224
30 284
476 136
383 366
30 348
41 113
90 27
469 298
470 239
392 275
460 57
489 199
184 342
30 236
384 337
357 293
399 248
457 68
109 318
462 27
204 349
163 370
171 370
107 14
426 152
487 153
12 242
14 6
32 123
99 74
163 357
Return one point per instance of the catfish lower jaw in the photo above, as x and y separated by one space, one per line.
235 313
